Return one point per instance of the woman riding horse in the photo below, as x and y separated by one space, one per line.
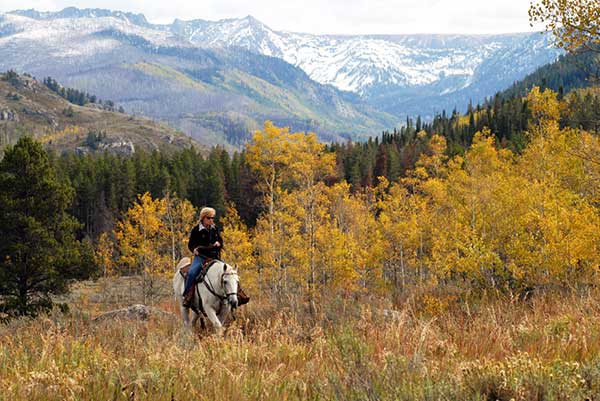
205 243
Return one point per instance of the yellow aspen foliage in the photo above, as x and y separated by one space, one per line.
308 208
283 160
104 255
404 223
587 151
153 234
140 236
310 165
179 216
566 157
431 165
337 259
276 250
290 168
557 237
559 241
339 250
357 259
311 162
433 161
470 223
341 207
239 249
268 152
71 133
329 242
407 213
544 106
367 238
490 219
573 22
515 221
268 155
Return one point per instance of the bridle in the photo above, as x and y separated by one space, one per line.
211 288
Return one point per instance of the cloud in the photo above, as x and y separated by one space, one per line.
332 17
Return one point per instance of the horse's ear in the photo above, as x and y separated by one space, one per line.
235 266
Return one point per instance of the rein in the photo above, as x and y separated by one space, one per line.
211 287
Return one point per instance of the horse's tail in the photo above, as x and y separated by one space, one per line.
183 263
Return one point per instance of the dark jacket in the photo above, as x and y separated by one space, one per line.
203 239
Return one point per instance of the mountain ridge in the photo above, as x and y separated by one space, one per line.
97 55
295 48
252 34
389 76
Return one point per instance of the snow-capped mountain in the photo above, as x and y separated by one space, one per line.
359 64
216 95
398 74
353 63
366 64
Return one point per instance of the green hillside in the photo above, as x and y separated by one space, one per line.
222 96
571 71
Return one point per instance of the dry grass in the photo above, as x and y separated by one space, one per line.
545 348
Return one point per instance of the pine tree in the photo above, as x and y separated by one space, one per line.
39 252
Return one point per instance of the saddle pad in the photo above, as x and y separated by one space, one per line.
184 265
185 269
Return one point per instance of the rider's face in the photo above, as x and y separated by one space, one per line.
208 221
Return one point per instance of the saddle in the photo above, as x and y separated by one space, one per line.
186 268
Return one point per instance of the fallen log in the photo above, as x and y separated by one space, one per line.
135 312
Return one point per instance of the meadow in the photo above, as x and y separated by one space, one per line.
494 347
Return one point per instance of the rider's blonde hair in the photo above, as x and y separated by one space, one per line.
207 212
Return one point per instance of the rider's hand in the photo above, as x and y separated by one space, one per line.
217 244
196 251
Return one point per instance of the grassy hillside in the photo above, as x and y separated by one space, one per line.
221 97
28 107
545 347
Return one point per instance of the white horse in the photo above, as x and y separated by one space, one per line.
217 291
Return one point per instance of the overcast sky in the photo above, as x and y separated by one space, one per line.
325 17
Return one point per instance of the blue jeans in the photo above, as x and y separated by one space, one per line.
193 272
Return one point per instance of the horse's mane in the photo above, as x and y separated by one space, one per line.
228 267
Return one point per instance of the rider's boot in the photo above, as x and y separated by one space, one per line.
187 298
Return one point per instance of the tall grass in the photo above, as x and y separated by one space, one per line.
545 348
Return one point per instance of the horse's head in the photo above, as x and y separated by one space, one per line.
230 282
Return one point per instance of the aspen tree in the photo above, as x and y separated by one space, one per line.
573 22
238 250
152 231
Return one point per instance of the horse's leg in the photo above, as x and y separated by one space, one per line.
223 313
212 316
185 314
194 319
